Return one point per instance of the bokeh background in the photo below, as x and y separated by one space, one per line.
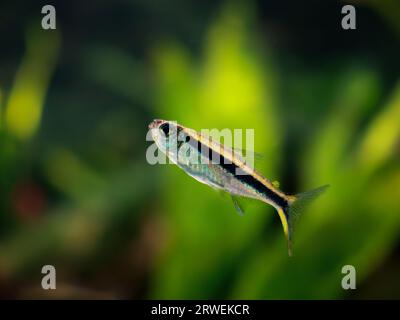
76 191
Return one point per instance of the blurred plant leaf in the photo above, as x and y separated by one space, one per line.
119 72
66 172
25 103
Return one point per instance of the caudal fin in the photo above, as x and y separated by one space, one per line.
297 203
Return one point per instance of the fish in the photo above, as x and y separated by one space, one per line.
224 168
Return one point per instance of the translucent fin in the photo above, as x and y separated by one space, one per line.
255 157
286 224
236 152
242 152
297 203
301 200
238 205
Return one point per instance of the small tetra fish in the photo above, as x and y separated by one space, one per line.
225 169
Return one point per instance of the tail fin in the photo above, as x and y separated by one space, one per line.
296 204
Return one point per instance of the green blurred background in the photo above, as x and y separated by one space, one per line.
76 191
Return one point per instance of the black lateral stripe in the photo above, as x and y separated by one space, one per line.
178 131
230 167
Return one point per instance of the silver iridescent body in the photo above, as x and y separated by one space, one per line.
223 168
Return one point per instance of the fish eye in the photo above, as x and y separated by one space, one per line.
187 138
165 128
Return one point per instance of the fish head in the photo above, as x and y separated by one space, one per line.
165 135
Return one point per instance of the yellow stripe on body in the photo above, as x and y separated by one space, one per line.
234 157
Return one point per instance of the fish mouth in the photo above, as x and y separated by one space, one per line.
155 123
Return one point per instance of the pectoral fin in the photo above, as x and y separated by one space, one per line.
238 205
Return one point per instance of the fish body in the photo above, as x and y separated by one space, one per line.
225 169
